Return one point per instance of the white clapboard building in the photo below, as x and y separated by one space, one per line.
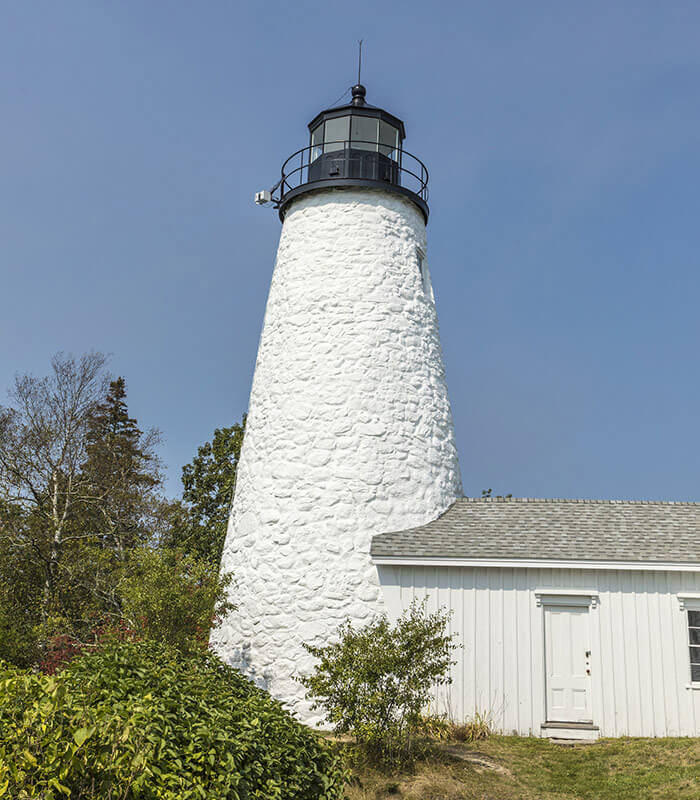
577 618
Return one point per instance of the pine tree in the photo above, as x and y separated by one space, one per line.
123 473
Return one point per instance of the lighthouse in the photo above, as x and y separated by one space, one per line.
349 431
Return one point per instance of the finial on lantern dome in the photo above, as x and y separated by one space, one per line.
358 94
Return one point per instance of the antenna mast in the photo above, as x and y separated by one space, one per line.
359 63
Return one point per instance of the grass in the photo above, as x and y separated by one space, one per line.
517 768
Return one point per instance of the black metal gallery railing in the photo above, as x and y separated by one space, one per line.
353 161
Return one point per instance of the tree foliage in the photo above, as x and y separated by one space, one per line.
374 681
20 590
208 485
171 596
43 445
143 720
122 472
82 518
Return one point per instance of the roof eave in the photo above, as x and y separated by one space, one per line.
525 563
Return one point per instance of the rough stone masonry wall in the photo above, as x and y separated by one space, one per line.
349 431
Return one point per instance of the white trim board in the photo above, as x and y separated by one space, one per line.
644 566
689 600
566 597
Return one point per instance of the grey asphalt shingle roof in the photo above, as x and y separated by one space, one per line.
577 530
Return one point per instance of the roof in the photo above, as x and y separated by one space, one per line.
359 107
359 111
557 530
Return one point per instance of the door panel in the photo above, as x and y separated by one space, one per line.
567 662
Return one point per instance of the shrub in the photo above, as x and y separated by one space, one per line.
162 594
474 729
145 720
374 682
172 596
442 728
60 650
435 726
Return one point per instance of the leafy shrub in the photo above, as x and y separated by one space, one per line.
60 650
374 681
161 594
143 720
172 596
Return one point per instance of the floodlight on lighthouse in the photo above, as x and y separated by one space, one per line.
266 195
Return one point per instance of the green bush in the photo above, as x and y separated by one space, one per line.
143 720
374 682
173 596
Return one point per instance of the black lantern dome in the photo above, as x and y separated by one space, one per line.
354 145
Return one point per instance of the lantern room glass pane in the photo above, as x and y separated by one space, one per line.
363 133
388 140
316 142
338 132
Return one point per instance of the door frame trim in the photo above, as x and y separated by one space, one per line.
578 598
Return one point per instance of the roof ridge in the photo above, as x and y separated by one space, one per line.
579 500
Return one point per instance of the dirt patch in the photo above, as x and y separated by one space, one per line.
479 761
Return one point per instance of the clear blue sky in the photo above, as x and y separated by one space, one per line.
563 141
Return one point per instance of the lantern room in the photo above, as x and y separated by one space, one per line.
358 126
354 145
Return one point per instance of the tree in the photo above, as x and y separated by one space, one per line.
374 682
43 446
82 518
79 488
122 471
208 484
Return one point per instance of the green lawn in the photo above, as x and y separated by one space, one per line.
514 768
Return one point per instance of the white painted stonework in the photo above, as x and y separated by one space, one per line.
349 430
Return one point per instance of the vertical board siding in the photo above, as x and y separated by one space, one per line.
638 636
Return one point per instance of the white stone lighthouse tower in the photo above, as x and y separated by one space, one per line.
349 430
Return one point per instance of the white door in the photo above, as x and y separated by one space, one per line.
568 663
